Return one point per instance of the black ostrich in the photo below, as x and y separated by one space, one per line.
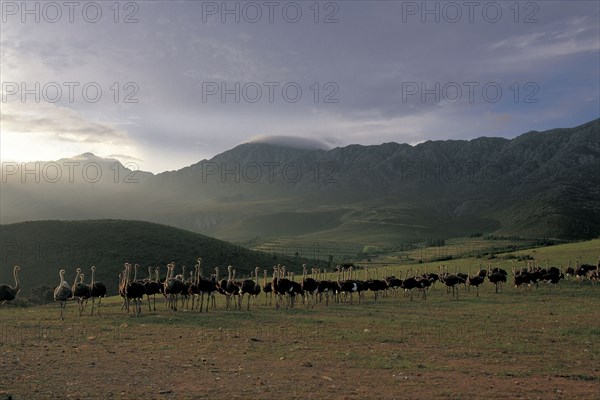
296 290
62 293
326 287
393 282
153 287
232 288
194 288
284 288
257 289
424 284
267 288
97 291
8 293
185 288
409 284
135 290
553 277
309 286
461 275
280 286
375 285
222 286
451 281
173 286
570 272
497 277
522 277
206 287
349 286
432 277
80 290
249 287
475 280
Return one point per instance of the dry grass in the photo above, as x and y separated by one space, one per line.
542 343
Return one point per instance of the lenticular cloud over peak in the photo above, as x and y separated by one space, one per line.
294 142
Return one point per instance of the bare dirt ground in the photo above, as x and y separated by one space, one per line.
372 351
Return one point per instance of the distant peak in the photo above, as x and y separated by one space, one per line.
293 142
89 156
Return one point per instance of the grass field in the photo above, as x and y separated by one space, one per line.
538 344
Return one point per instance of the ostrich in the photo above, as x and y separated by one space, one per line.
135 291
153 287
326 286
62 293
348 286
173 287
309 286
233 287
409 284
474 280
267 288
375 285
193 289
97 290
185 290
393 282
424 284
122 287
294 290
222 286
206 286
433 278
8 293
80 290
283 287
497 277
521 277
570 271
461 275
451 281
250 288
256 291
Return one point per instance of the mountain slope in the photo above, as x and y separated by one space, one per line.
539 184
41 248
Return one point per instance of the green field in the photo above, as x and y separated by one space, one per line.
539 343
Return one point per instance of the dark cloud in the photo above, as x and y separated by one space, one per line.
370 57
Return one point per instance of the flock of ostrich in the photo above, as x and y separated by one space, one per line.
201 290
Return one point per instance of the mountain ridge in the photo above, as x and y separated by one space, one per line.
539 184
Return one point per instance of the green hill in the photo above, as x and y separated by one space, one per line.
41 248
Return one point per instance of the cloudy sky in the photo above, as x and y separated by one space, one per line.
166 84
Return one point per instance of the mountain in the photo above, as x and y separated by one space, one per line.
539 184
42 248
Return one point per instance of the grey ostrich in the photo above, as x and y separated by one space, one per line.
8 293
62 293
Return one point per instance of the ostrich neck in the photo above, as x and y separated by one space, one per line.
93 272
17 283
76 278
135 268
